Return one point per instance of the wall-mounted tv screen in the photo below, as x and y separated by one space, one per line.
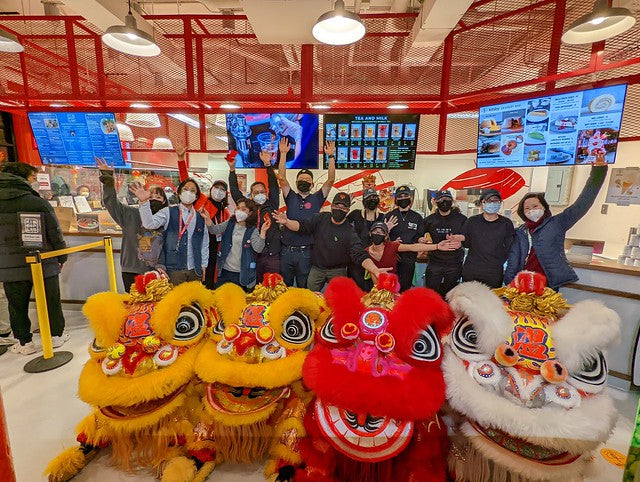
580 127
76 138
378 141
249 134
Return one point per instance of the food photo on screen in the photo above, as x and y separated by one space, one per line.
605 99
249 134
538 110
597 145
564 122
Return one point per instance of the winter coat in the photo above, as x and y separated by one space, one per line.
17 196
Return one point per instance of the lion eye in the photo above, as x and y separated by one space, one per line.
189 323
465 338
297 328
427 346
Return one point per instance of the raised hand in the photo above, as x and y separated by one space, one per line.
280 218
392 222
181 149
139 191
330 148
102 164
265 157
283 145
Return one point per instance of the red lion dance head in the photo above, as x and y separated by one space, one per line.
375 370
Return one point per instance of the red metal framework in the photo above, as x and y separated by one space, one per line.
501 50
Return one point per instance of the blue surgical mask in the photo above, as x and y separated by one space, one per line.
491 208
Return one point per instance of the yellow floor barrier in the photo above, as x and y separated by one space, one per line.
50 360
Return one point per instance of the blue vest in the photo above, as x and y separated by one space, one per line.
247 258
176 253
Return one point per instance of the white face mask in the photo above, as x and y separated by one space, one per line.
260 198
218 194
241 216
187 197
535 215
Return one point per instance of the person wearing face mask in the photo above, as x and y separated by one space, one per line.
384 252
539 244
218 198
141 248
408 227
268 261
241 242
489 237
186 243
362 220
445 267
335 242
18 196
295 259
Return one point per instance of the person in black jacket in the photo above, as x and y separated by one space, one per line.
17 196
445 267
268 261
217 197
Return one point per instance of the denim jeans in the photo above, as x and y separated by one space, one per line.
295 264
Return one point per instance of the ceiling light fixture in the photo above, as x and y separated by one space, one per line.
124 132
397 106
229 105
602 23
338 26
129 39
321 106
142 119
162 143
140 105
186 119
9 42
59 105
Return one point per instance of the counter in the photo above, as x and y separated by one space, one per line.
618 287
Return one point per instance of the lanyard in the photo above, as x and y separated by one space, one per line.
181 228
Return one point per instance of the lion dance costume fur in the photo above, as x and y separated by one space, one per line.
254 403
140 376
526 380
375 371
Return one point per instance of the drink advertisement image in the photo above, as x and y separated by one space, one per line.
375 141
565 129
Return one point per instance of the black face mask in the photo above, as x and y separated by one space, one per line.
156 205
403 203
371 204
337 215
445 205
303 186
377 238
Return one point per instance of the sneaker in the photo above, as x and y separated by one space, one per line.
58 341
26 349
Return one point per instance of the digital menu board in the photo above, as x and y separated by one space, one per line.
249 134
376 141
76 138
566 129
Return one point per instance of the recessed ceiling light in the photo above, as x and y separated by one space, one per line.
140 105
321 106
397 106
229 105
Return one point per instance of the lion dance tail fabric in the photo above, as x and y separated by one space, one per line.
140 376
375 372
526 378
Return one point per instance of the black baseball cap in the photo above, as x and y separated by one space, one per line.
404 189
489 193
380 225
367 193
304 171
441 195
220 181
342 198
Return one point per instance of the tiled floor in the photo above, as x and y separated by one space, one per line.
43 409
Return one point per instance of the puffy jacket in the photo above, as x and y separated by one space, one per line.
548 238
17 196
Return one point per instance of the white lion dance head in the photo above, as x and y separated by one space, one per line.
526 380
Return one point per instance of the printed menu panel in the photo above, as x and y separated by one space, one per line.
76 138
373 141
566 129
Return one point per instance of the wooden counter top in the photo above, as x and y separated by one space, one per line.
608 265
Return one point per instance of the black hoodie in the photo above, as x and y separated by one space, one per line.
17 196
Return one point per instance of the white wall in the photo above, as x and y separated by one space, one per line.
435 171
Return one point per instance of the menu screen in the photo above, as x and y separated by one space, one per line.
567 129
373 141
76 138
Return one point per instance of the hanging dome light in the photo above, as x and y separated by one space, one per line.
142 119
125 132
338 26
129 39
162 143
602 23
9 42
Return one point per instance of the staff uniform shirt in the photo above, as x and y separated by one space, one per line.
161 220
301 209
409 229
489 243
438 227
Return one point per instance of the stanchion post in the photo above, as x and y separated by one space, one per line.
111 266
41 306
